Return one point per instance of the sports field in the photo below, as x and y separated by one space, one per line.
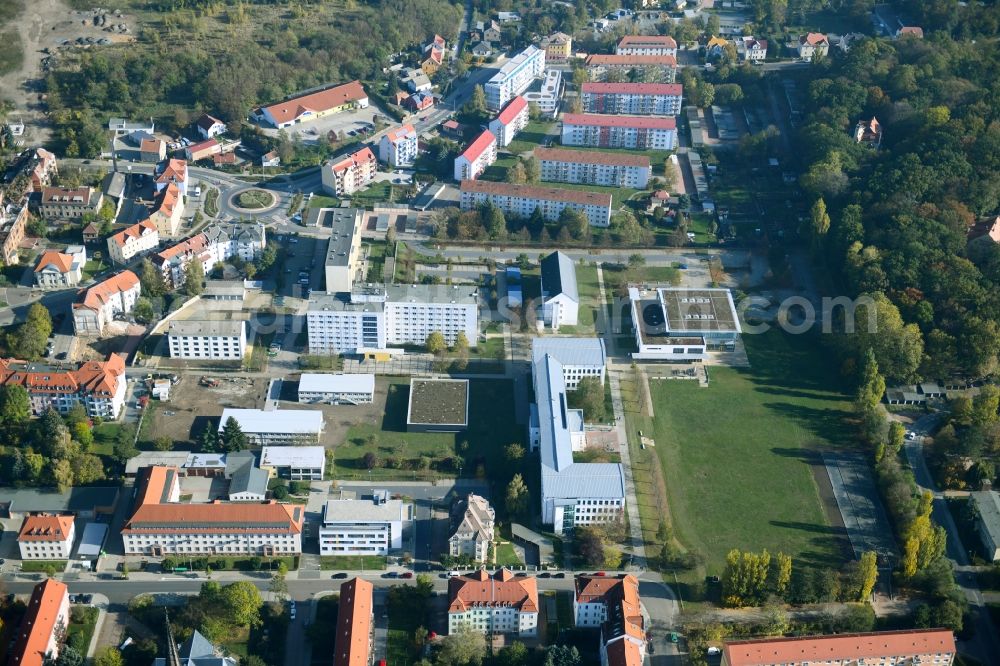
738 456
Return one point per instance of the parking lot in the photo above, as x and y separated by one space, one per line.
860 506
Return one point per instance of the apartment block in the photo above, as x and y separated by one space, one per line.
523 200
37 640
514 77
99 386
97 306
547 97
350 174
613 605
480 154
217 243
509 122
475 533
46 537
917 646
647 45
587 167
636 99
64 203
369 526
355 624
398 147
13 220
343 264
175 171
493 604
139 239
630 132
167 210
207 339
624 68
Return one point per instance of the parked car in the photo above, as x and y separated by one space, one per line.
339 574
390 574
406 574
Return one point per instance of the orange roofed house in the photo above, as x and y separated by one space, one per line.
160 525
493 604
349 174
612 603
46 537
922 646
353 645
167 210
45 620
97 306
136 240
311 106
99 386
58 270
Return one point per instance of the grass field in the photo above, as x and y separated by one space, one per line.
323 201
507 556
39 566
736 456
352 562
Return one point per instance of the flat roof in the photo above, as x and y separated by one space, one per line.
224 288
432 293
229 328
92 539
75 500
514 64
336 383
156 458
438 402
278 421
344 223
320 301
988 503
689 310
364 510
293 456
570 351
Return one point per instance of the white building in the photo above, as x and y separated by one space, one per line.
216 244
46 537
207 339
398 147
99 386
587 167
510 121
162 525
573 494
522 200
647 45
635 68
514 77
632 132
137 240
171 171
560 297
96 307
209 126
296 463
60 270
474 160
350 174
372 318
636 99
680 324
475 533
579 357
499 604
343 264
613 605
336 389
547 97
369 526
276 425
813 44
751 49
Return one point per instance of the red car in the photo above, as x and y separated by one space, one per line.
406 574
600 573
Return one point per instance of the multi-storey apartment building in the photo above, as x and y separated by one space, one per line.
64 203
631 132
475 533
45 620
13 220
636 99
97 306
613 605
474 160
658 45
509 122
46 537
350 174
167 210
398 147
916 646
355 624
369 526
514 77
548 95
172 171
217 243
593 167
523 200
99 386
137 240
207 339
370 319
494 605
59 270
161 525
643 68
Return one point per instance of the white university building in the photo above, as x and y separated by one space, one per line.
369 526
207 339
560 296
336 389
276 426
514 77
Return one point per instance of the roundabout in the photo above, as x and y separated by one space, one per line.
250 201
254 199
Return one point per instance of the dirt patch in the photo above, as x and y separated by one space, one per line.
120 337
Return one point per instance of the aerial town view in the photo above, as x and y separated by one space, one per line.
500 333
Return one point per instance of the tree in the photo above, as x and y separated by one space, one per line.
782 573
532 170
69 656
435 343
744 578
517 496
868 574
151 281
61 473
15 405
461 351
515 654
819 223
109 656
513 452
143 310
233 438
163 443
872 385
516 174
371 460
464 648
280 492
562 655
575 221
589 396
279 583
194 278
477 101
124 446
590 546
28 341
243 603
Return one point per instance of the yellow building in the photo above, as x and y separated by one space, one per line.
557 46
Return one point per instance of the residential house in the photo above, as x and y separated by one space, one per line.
482 50
137 240
511 120
36 166
398 147
313 105
99 386
350 174
751 49
892 25
209 126
59 270
560 298
612 603
46 537
13 220
416 80
417 102
203 150
475 532
270 159
167 210
91 233
196 651
114 188
869 132
557 46
152 150
97 306
45 620
493 604
433 55
479 155
451 128
715 47
217 243
813 44
491 31
123 126
647 45
63 203
353 639
171 171
987 230
523 200
909 646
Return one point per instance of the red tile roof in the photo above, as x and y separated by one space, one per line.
846 647
672 89
593 119
621 597
363 156
641 41
317 102
581 197
92 377
624 653
354 624
502 588
135 231
174 171
479 146
591 157
193 245
95 297
402 132
196 148
61 262
612 60
79 195
150 146
45 528
814 39
39 623
514 107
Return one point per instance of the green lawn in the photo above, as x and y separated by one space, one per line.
39 566
737 455
590 299
352 562
493 348
507 556
530 137
82 622
323 201
380 192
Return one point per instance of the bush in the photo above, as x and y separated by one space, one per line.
300 487
280 492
